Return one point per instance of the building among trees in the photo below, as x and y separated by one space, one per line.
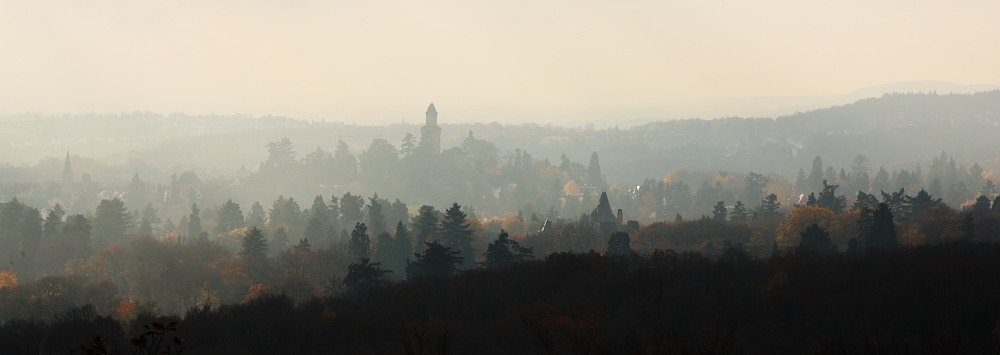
430 133
67 175
603 216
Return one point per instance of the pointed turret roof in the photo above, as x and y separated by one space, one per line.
67 170
602 213
431 109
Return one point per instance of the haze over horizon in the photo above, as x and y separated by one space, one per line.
558 62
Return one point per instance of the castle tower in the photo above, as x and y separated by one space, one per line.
430 133
604 217
67 171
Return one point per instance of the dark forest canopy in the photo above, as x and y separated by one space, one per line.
900 301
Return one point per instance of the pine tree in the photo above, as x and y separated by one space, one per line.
230 217
364 274
320 212
865 200
315 229
828 198
280 239
286 212
257 217
111 220
53 221
755 184
594 176
145 228
304 245
435 261
456 232
169 226
360 245
719 212
408 145
816 176
376 216
859 174
877 229
254 245
981 206
504 251
816 239
619 244
344 163
739 213
194 223
400 250
76 237
425 224
383 248
768 207
149 217
881 181
350 209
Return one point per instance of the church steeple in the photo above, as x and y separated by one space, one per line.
67 171
430 133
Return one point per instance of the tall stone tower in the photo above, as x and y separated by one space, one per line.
430 133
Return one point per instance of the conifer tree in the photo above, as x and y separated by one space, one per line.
435 261
816 239
254 244
76 236
383 248
828 198
877 229
425 224
360 245
504 251
257 217
594 176
304 245
53 220
768 208
350 209
111 220
376 216
364 274
400 250
194 223
619 244
719 212
230 217
739 213
280 239
456 232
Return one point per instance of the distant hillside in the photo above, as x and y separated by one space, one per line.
895 130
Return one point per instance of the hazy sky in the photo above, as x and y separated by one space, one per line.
383 61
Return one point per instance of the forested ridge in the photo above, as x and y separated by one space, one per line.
476 249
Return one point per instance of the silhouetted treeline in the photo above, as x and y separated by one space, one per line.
927 299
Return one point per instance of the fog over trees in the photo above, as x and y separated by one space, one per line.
867 227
